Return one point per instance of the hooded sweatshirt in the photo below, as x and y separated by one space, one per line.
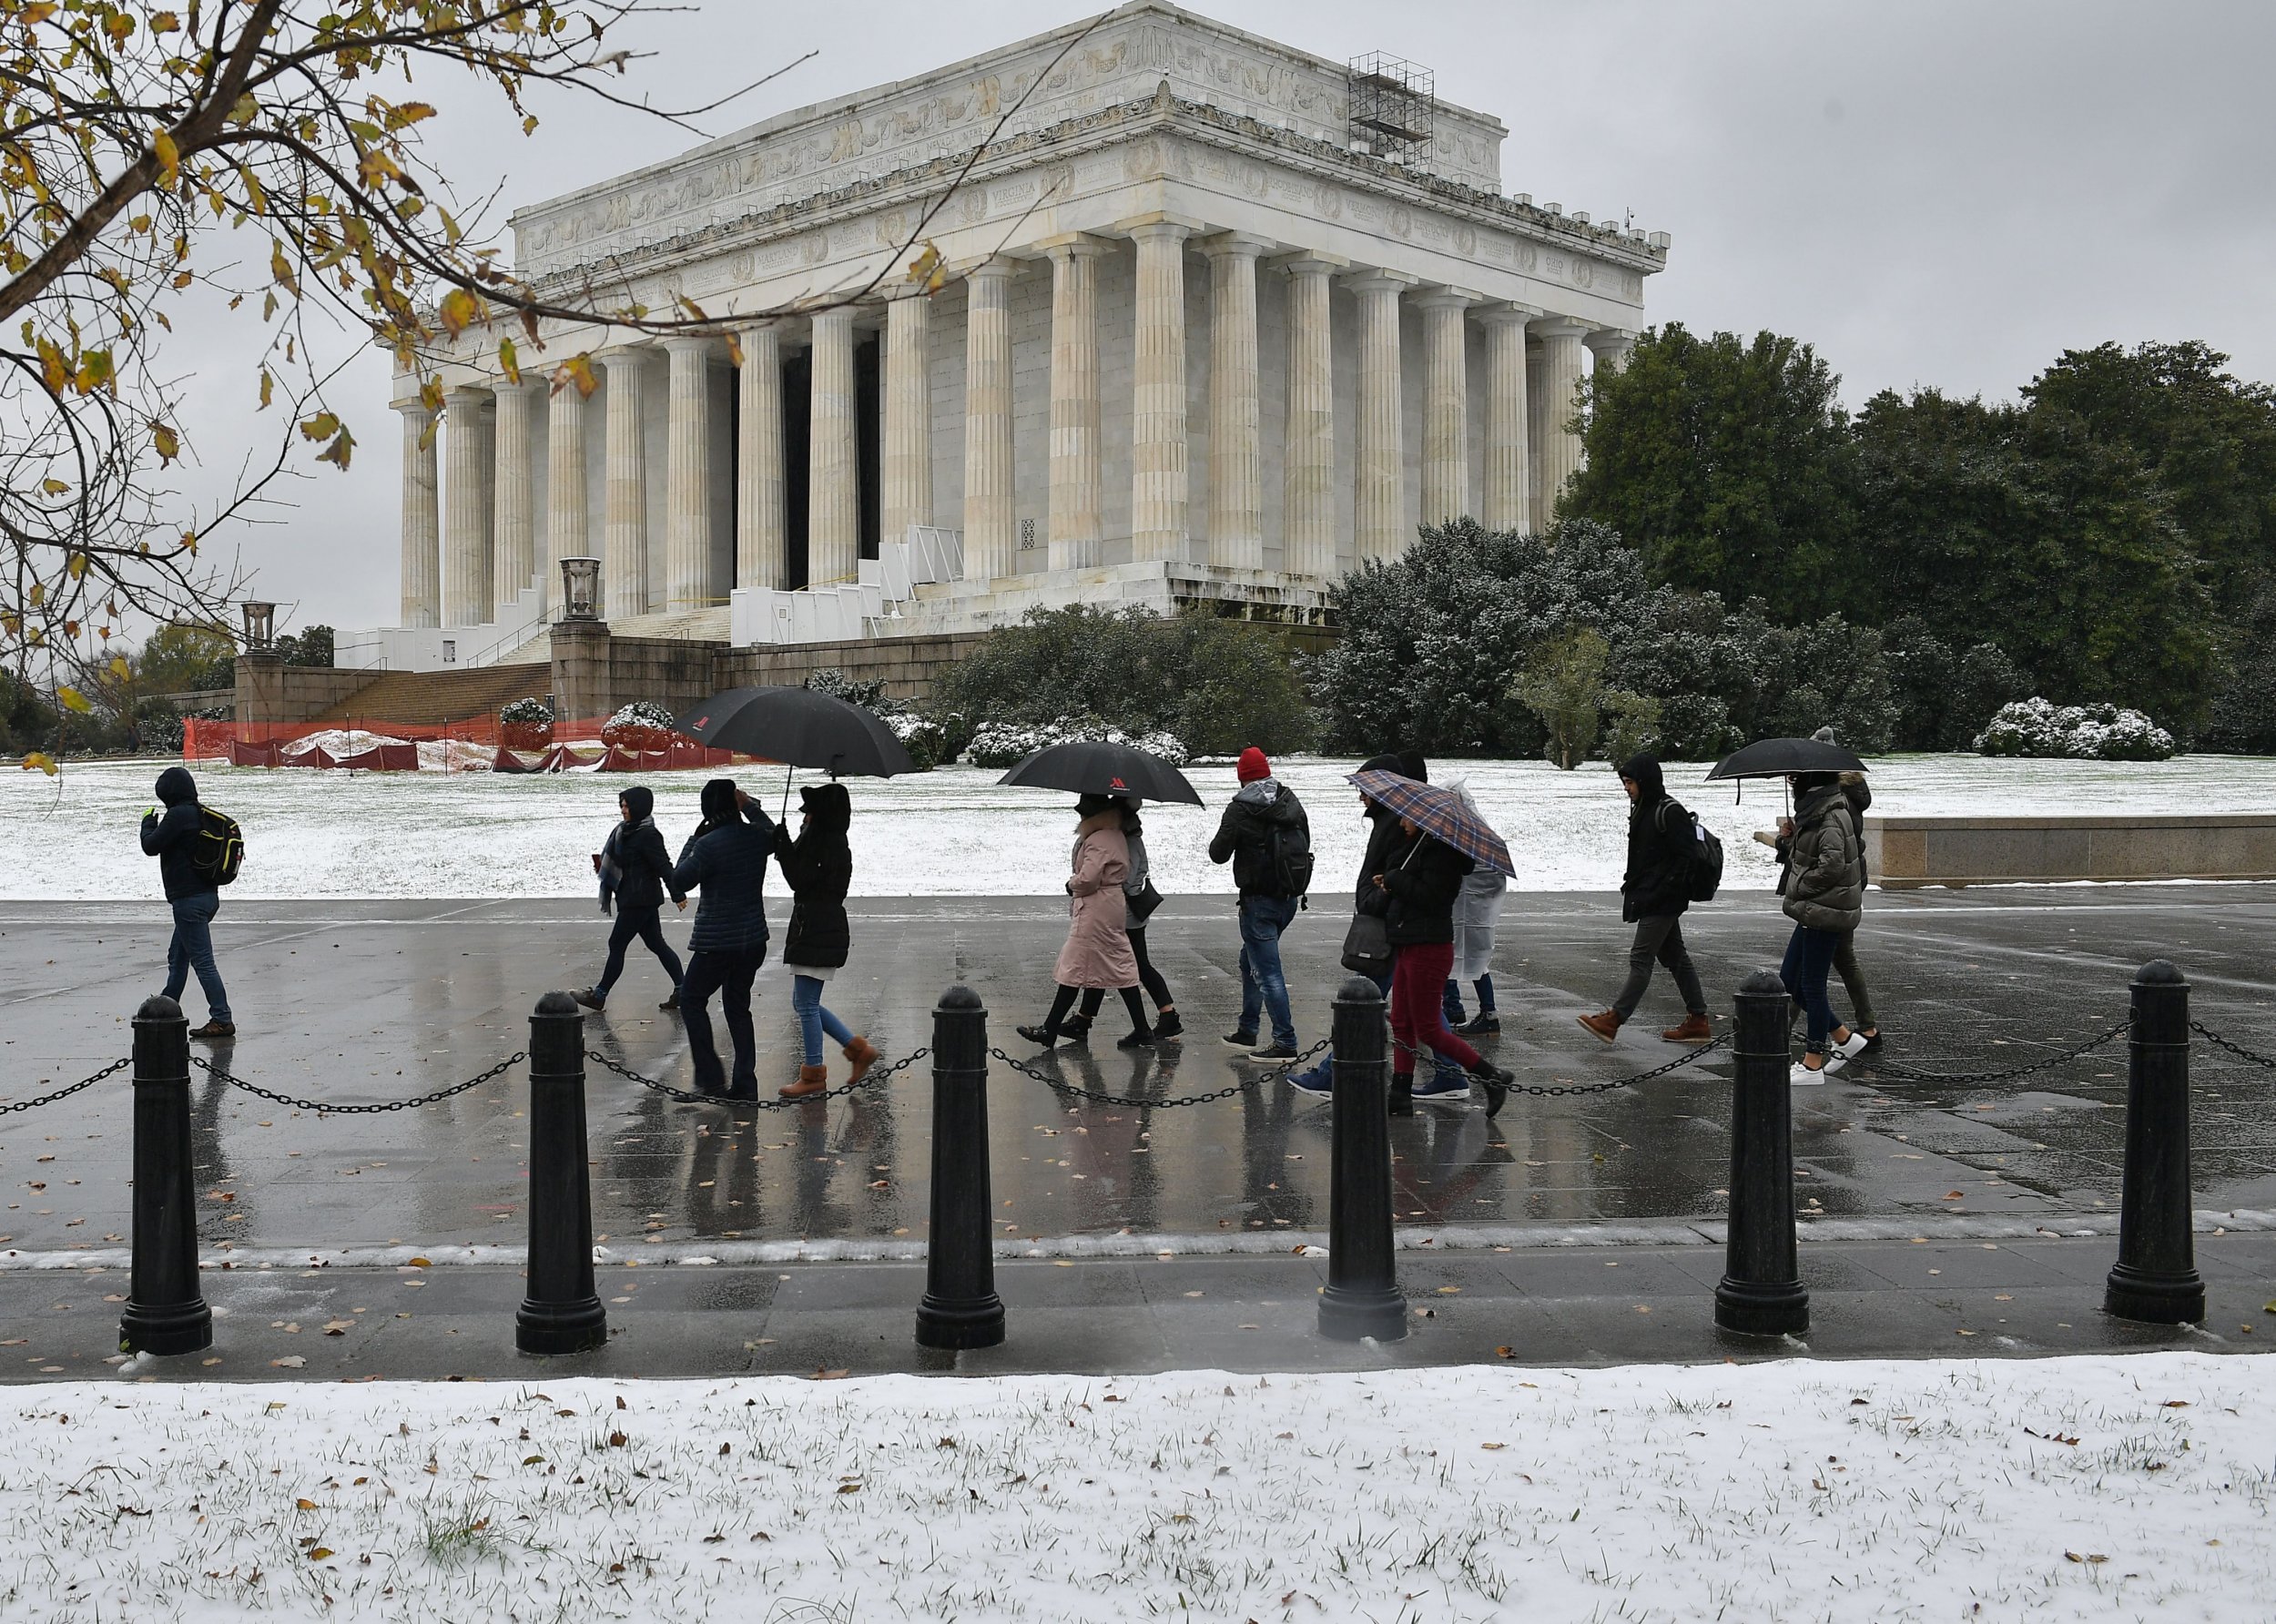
1660 839
171 837
1245 836
818 867
635 869
1385 837
725 860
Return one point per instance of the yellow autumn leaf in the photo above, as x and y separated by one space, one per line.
41 761
459 311
921 267
71 699
169 156
54 487
342 447
76 565
322 426
169 445
509 360
119 668
53 370
577 370
320 1553
268 389
280 268
735 350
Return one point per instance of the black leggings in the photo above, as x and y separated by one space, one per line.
1093 996
642 924
1151 979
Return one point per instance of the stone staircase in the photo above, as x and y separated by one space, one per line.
687 625
432 697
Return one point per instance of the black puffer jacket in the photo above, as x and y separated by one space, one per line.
171 837
1425 878
636 867
1384 837
1658 880
818 865
725 860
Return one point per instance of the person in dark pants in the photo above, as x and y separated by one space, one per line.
1825 898
1422 877
726 861
819 869
1167 1025
1655 892
171 837
635 872
1263 814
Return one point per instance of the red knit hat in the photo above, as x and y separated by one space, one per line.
1253 766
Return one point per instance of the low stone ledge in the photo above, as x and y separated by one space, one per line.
1906 852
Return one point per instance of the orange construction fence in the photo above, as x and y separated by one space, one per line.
478 744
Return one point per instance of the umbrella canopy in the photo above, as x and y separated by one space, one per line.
1439 813
798 728
1093 766
1775 757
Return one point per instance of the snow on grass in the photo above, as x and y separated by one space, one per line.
953 832
2078 1488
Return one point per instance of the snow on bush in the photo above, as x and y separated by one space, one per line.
1004 743
926 740
526 710
643 725
526 723
2078 732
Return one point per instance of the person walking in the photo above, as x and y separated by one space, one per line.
819 869
1138 902
1825 898
1421 880
193 895
635 872
1267 838
1097 952
1477 915
1655 893
726 861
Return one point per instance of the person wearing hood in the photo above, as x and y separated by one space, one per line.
818 867
1477 917
1097 953
1420 879
1859 794
1825 898
1655 892
171 837
1167 1026
635 872
726 861
1264 829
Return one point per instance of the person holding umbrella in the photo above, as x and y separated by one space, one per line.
1139 900
1825 898
726 861
1097 953
818 867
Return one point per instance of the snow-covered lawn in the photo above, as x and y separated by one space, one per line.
2079 1489
314 834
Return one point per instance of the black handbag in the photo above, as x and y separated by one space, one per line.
1367 946
1143 901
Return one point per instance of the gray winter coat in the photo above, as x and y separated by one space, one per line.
1826 887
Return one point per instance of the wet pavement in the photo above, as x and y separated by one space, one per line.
362 1002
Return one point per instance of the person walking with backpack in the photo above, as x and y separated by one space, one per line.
635 872
1655 892
1097 953
818 867
193 866
725 860
1825 898
1267 838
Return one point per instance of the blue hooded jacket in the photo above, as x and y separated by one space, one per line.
725 861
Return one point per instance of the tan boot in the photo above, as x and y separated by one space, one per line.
1606 1025
1696 1028
812 1079
863 1054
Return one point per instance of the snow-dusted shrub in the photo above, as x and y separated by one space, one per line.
1006 744
644 725
2080 732
526 723
925 740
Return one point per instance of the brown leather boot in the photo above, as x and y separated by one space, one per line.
1606 1025
1696 1028
863 1054
812 1079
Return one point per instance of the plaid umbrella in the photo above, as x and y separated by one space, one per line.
1439 813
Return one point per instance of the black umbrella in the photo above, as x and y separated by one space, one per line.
1776 757
798 728
1093 766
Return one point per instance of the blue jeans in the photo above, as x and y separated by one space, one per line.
1322 1075
805 998
1809 956
1262 985
192 950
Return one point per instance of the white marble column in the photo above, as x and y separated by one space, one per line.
908 449
1508 504
761 547
1379 457
625 486
421 520
1560 389
1236 448
516 512
1075 524
568 522
1611 346
1536 429
1309 451
1445 447
466 512
1160 485
833 501
990 524
688 583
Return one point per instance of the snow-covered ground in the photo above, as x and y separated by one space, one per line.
314 834
2106 1487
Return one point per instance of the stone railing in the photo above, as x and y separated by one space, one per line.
1905 852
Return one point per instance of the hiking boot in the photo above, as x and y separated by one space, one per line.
1038 1034
1402 1097
1076 1029
1495 1082
863 1054
1606 1025
1140 1039
591 1000
1696 1028
213 1031
1240 1039
1485 1023
812 1079
1167 1025
672 1002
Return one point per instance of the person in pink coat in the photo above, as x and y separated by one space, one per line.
1098 951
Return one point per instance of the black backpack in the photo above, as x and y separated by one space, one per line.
218 849
1702 861
1289 847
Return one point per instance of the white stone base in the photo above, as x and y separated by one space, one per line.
1164 587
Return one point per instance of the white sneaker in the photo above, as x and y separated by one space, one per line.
1850 1047
1801 1075
1834 1062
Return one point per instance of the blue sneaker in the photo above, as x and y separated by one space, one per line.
1443 1088
1319 1082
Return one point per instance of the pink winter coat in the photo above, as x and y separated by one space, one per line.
1097 953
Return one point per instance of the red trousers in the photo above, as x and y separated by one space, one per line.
1418 1019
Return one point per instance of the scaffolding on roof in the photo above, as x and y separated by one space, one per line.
1390 107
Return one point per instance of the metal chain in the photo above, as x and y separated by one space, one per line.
66 1093
696 1097
1908 1074
1573 1089
1132 1101
2218 1042
327 1108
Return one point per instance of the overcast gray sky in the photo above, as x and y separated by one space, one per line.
1932 191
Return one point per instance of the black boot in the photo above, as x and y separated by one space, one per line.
1038 1034
1167 1025
1495 1084
1402 1093
1076 1029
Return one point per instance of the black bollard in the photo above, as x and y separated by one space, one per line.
1761 1293
165 1312
961 1309
560 1313
2155 1276
1362 1298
